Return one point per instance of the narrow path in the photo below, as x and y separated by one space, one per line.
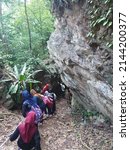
59 132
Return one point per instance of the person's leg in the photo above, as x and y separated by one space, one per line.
49 111
46 109
54 107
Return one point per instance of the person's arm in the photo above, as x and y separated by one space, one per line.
37 140
14 135
45 88
25 109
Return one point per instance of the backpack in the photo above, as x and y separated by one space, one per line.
36 109
39 115
47 101
50 95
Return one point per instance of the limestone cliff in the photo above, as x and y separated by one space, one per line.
84 63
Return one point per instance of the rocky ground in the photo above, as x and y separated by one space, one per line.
60 132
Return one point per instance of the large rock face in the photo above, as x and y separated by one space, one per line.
84 67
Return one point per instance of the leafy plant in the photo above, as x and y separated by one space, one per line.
87 114
19 79
100 16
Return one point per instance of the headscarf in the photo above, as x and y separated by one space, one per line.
28 98
28 128
31 102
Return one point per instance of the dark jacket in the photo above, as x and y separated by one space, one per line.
34 143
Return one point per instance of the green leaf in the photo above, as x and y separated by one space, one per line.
109 11
12 76
23 85
109 44
16 71
94 24
93 35
24 69
101 19
96 10
88 34
5 80
34 73
107 1
22 78
105 23
110 23
13 89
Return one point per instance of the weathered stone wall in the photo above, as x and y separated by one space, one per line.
84 67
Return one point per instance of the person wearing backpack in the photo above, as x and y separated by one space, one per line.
29 104
45 88
38 98
47 101
52 97
28 133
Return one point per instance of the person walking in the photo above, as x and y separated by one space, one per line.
28 133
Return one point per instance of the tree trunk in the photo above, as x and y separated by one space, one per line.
29 31
40 22
2 32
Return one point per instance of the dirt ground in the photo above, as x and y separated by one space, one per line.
59 132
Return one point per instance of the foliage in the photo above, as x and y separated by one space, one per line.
19 78
14 42
88 114
101 15
15 46
98 12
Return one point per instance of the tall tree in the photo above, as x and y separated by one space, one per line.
3 33
28 25
42 23
29 30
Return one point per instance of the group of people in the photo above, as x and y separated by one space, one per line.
34 107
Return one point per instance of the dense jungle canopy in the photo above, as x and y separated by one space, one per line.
25 26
